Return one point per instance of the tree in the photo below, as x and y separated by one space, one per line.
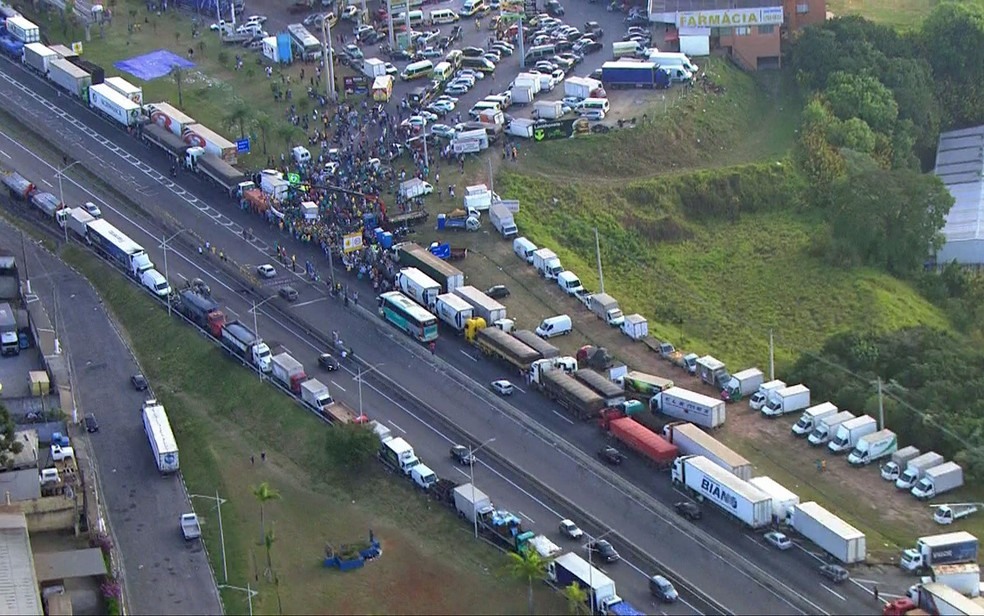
177 74
853 95
351 445
264 123
529 566
264 494
287 132
577 600
238 116
907 79
953 43
8 438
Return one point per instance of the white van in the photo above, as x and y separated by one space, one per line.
622 49
473 7
559 325
504 100
672 58
416 18
481 106
524 249
678 74
424 68
443 16
588 104
156 282
442 72
301 155
569 282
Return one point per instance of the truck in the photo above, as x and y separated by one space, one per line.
783 499
891 470
522 95
418 286
453 310
835 536
162 441
642 386
70 78
713 372
570 568
538 344
691 406
742 384
9 343
17 185
938 480
37 56
686 361
316 395
288 372
162 138
941 599
114 105
627 74
412 255
787 400
611 392
811 416
201 136
373 67
483 306
635 326
470 502
915 469
168 117
643 441
338 412
873 447
503 221
494 342
113 243
541 544
78 221
546 263
580 87
692 441
950 513
398 455
127 89
943 549
850 432
241 341
606 308
570 393
548 110
49 206
964 578
826 428
735 496
23 30
415 187
202 310
761 397
216 170
190 527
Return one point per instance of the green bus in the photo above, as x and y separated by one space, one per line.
406 314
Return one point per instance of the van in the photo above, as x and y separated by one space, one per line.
540 51
569 282
672 58
593 115
417 69
416 18
524 249
623 49
454 58
301 155
473 7
559 325
442 72
479 64
677 74
156 282
588 104
504 100
481 106
443 16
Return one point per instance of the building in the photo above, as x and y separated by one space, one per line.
960 165
18 580
750 31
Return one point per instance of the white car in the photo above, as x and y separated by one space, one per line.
502 387
778 540
258 19
92 209
570 529
266 271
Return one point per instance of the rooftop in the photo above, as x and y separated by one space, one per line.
960 165
18 581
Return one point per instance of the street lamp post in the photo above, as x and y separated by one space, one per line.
61 192
471 477
328 57
164 241
359 377
591 566
256 329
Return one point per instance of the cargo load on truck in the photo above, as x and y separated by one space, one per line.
938 480
162 441
483 306
691 441
783 500
412 255
742 384
732 495
835 536
599 589
538 344
915 469
570 393
288 372
494 342
643 441
687 405
453 311
609 390
641 386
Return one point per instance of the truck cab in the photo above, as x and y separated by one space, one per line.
761 397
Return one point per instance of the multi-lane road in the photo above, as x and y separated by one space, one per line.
733 568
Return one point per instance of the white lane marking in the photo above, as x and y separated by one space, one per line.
520 389
833 592
393 423
467 476
308 303
47 182
532 521
337 385
863 581
467 355
755 541
563 417
4 153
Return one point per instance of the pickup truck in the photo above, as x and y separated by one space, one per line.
688 362
190 527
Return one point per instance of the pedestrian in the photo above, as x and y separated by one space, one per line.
252 460
433 347
823 466
876 594
263 456
200 251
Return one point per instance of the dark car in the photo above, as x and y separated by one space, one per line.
594 29
91 425
288 293
637 20
328 362
688 510
139 382
473 52
611 455
498 291
834 573
588 46
554 8
604 550
462 455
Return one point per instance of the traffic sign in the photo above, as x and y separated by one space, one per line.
242 146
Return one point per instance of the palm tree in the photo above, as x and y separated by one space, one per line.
528 565
577 600
268 540
264 493
264 123
177 74
287 132
239 116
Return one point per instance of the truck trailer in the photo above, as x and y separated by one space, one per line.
643 441
612 393
538 344
482 305
162 441
418 286
943 600
642 386
783 500
834 535
943 549
241 341
570 569
964 578
687 405
113 243
626 74
494 342
70 78
570 393
37 56
732 495
288 372
412 255
692 441
453 310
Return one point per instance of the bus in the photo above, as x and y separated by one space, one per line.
305 43
401 311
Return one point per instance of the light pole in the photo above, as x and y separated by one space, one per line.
328 57
471 477
61 193
167 277
359 377
590 566
256 329
424 137
389 20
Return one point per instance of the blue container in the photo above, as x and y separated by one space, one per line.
386 241
378 234
441 221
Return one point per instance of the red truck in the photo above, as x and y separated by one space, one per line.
643 441
19 187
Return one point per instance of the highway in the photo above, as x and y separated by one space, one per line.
746 579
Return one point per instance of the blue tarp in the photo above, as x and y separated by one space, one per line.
153 65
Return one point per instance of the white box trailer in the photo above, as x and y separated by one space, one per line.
127 89
418 286
169 117
162 441
23 30
692 441
834 535
113 104
37 56
69 77
732 495
453 310
686 405
482 305
783 500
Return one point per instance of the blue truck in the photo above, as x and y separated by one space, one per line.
627 74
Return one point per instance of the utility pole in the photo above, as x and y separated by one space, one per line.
491 177
328 58
772 358
389 21
881 406
601 276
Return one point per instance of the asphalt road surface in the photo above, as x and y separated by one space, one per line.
164 574
743 577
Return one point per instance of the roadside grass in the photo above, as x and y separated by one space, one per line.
221 415
902 14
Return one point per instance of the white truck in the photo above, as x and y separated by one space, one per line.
162 441
606 308
522 95
783 499
713 372
423 477
938 480
415 187
943 549
850 432
686 405
78 221
470 502
891 470
37 56
808 420
787 400
546 263
873 447
826 428
635 326
373 67
943 600
760 397
288 372
965 578
190 527
241 341
734 496
692 441
742 384
548 110
570 569
580 87
916 467
418 286
838 538
316 395
482 305
453 310
503 221
398 454
569 283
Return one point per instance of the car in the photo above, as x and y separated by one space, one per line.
662 589
266 271
498 291
834 573
586 46
637 20
428 116
502 387
364 31
570 530
443 131
503 48
470 72
91 425
462 455
493 55
611 455
593 115
554 8
778 540
592 27
604 550
314 19
595 74
353 52
558 75
444 97
688 510
350 13
219 25
92 209
463 80
139 382
430 53
545 66
445 105
390 69
457 88
439 109
256 19
288 293
473 52
567 59
570 101
328 362
636 30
